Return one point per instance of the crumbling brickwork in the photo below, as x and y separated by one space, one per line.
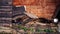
41 8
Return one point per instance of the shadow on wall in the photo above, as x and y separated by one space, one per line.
58 2
57 15
57 10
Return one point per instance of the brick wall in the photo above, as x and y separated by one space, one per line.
41 8
44 10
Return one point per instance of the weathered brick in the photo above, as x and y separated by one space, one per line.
41 8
